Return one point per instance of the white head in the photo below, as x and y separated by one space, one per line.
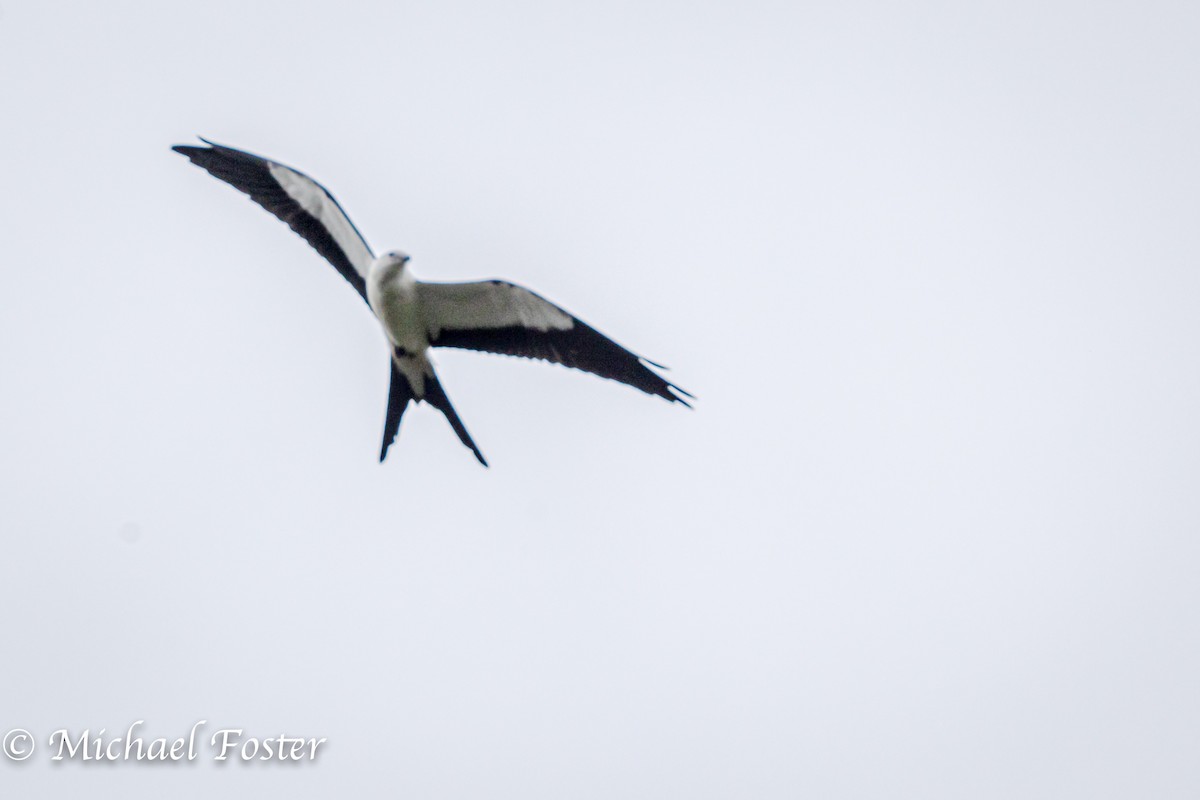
390 264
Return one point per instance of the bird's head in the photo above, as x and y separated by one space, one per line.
391 264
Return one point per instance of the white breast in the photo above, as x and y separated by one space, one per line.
392 295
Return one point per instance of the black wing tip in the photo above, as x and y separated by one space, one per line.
211 145
184 148
669 391
679 390
654 364
226 150
677 395
214 149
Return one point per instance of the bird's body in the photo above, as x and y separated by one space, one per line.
392 295
490 316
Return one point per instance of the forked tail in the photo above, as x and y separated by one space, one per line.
435 395
401 393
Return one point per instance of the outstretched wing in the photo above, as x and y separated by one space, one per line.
295 198
500 317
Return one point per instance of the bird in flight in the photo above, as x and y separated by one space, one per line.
491 316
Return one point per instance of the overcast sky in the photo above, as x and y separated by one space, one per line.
931 269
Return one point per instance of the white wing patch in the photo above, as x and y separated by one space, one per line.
487 304
313 199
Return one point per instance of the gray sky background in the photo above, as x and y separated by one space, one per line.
930 267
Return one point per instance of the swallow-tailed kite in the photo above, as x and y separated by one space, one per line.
492 316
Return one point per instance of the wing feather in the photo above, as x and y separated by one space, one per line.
500 317
305 205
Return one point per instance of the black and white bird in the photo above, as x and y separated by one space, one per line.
492 316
